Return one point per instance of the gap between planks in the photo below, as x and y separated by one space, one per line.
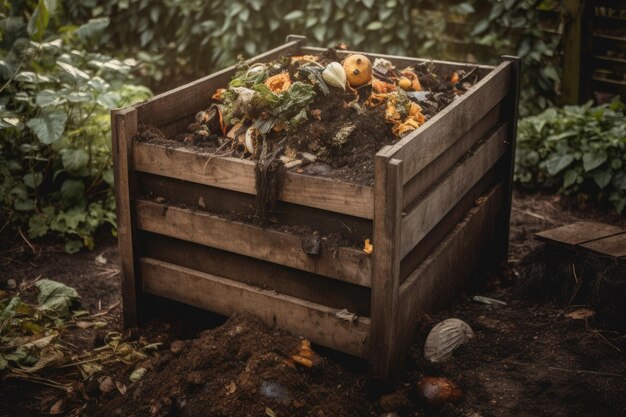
239 175
345 264
445 194
317 322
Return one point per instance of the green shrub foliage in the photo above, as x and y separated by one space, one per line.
185 39
55 156
576 150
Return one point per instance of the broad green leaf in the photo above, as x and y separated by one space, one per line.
602 177
56 296
293 15
74 159
569 178
48 126
592 160
558 163
73 72
376 25
73 246
48 97
93 29
33 179
72 190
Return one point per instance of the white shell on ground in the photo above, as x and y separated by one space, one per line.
445 337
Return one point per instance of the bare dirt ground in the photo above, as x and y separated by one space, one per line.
527 359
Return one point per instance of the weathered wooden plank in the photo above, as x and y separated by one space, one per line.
402 61
437 168
422 146
123 127
386 276
614 246
425 247
239 175
257 272
445 272
444 195
226 202
511 102
190 98
578 233
317 322
345 264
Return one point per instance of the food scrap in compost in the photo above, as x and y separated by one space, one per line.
322 109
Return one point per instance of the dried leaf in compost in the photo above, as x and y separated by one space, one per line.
50 356
58 407
137 374
581 314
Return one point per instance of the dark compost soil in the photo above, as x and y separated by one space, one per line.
350 158
527 359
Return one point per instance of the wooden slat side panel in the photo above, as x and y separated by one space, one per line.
190 98
123 127
314 321
436 169
443 274
444 195
238 175
386 275
258 273
226 202
425 247
402 61
421 147
345 264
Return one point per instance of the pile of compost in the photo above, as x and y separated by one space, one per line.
318 114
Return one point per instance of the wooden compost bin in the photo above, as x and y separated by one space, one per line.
439 208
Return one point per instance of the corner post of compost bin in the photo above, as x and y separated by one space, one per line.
123 128
384 348
299 38
511 114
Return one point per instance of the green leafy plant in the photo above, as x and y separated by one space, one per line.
55 157
576 150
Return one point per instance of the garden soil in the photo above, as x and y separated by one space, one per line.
527 359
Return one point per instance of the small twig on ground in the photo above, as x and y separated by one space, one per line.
19 229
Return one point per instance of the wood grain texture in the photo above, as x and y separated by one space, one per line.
180 102
437 168
422 146
345 264
226 202
578 233
257 272
614 246
384 356
445 272
123 127
429 210
238 175
314 321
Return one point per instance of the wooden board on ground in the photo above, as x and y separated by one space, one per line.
578 233
614 246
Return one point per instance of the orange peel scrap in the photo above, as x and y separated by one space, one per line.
368 247
305 355
217 96
415 82
382 87
279 82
